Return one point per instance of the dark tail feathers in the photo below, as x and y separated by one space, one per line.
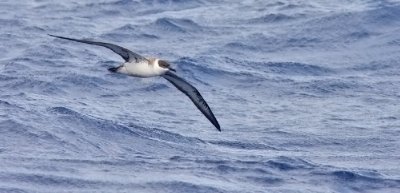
114 69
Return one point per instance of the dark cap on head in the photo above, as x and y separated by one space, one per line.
164 64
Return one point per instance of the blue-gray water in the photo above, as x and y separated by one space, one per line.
307 94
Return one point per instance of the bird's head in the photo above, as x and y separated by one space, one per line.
165 65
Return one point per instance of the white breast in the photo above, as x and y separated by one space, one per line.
141 69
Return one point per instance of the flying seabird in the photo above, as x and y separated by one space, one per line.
139 66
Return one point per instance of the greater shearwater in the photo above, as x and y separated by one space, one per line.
139 66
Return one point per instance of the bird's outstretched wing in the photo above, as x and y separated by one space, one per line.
194 95
126 54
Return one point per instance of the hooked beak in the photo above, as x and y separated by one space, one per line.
170 68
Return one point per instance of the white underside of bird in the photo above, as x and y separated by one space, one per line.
139 66
143 69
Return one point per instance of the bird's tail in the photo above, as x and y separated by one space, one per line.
114 69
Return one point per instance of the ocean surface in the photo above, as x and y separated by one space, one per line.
307 94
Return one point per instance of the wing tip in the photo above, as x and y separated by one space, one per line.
54 36
216 124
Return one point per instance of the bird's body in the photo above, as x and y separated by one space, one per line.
142 68
139 66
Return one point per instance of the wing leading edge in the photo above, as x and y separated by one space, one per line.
126 54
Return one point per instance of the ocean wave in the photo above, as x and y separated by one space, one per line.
124 3
352 176
330 86
108 128
266 180
355 180
13 190
196 69
38 86
275 17
5 78
179 186
256 42
383 14
242 46
242 145
33 136
11 23
46 51
181 4
5 104
297 5
261 167
159 134
260 43
155 87
129 31
96 125
260 172
286 163
376 67
175 25
50 180
293 68
350 29
80 80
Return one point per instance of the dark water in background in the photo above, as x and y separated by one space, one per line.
307 94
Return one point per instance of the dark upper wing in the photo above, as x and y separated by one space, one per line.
194 95
126 54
